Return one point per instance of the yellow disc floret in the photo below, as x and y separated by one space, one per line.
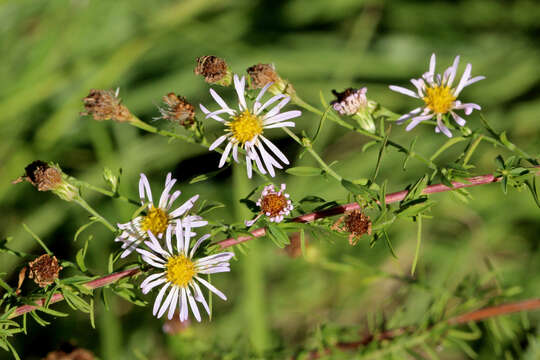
245 127
156 221
180 270
439 99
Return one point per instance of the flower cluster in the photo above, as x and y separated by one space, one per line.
179 269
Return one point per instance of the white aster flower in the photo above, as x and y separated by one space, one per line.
439 96
245 127
274 204
180 272
157 218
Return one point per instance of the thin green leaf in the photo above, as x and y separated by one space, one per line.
304 171
418 242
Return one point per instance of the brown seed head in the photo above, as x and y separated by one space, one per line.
273 204
350 101
262 74
105 105
214 69
42 176
44 270
77 354
178 110
357 223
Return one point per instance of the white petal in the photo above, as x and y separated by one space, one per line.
417 120
173 198
200 297
179 236
269 102
187 238
280 125
174 302
464 79
432 64
193 305
167 302
280 117
239 86
183 306
409 115
196 246
211 287
458 119
276 109
185 207
165 194
217 142
157 303
219 100
145 185
149 286
403 91
252 153
235 152
257 103
443 128
453 71
275 150
206 111
225 154
215 269
249 167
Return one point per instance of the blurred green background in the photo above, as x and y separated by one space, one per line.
54 52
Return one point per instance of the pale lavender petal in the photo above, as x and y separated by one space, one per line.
174 302
217 142
257 103
280 117
409 115
275 150
276 109
145 185
183 306
280 125
219 100
269 102
225 155
193 305
403 91
159 297
417 120
199 242
149 286
464 79
206 111
165 194
458 119
239 86
185 207
453 71
167 301
200 297
443 128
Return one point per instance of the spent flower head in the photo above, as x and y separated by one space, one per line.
180 272
177 110
273 204
157 218
215 70
244 127
356 223
440 98
44 270
264 74
106 105
49 177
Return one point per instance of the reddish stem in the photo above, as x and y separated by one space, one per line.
473 316
390 198
94 284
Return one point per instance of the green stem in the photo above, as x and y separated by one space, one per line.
79 200
309 148
103 191
376 137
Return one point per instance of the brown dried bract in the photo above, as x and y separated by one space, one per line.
355 223
262 74
105 105
178 110
44 270
41 175
77 354
212 68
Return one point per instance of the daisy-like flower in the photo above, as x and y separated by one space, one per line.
439 97
245 127
180 272
274 204
157 218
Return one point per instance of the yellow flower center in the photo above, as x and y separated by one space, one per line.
245 126
180 270
156 221
439 99
273 204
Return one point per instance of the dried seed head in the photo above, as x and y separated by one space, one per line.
177 110
44 270
350 101
273 204
77 354
42 176
47 177
215 70
262 74
105 105
357 223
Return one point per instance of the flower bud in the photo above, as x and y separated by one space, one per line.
44 270
105 105
262 74
215 70
177 110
